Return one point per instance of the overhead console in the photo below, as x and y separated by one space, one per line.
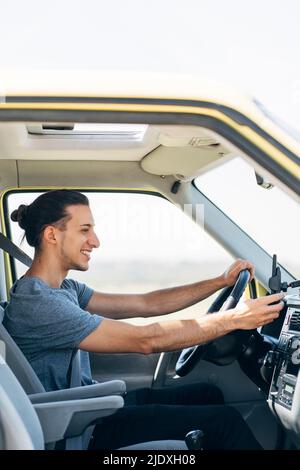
284 394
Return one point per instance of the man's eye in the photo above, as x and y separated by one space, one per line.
85 230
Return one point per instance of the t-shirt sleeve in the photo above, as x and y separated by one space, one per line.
66 324
84 293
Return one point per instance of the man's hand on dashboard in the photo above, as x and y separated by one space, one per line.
253 313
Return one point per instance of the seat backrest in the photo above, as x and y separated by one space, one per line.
30 381
18 362
19 424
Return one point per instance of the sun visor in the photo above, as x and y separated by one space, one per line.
182 157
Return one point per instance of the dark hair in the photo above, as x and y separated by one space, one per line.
47 209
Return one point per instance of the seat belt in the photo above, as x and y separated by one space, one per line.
14 251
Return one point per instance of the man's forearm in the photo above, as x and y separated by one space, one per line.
160 302
122 337
173 299
178 334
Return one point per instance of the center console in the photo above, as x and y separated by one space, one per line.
285 376
284 395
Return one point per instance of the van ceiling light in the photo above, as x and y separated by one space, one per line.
106 132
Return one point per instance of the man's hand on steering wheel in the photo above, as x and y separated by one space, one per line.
241 321
231 274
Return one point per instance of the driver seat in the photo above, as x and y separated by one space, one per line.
20 428
31 418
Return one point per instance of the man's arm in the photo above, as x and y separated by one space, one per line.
161 302
119 337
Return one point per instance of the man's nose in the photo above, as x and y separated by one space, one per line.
94 241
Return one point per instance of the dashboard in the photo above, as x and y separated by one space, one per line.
284 394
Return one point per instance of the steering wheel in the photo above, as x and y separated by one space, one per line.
224 350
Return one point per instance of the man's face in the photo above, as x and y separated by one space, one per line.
78 239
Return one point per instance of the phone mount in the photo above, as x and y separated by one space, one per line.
275 283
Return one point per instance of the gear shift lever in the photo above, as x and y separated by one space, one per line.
194 440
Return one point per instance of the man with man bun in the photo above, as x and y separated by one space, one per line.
51 316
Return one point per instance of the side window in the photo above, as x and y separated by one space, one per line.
146 243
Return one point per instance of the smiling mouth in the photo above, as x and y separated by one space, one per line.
86 253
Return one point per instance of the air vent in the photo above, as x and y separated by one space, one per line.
295 321
104 132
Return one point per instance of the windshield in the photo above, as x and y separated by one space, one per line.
286 127
270 216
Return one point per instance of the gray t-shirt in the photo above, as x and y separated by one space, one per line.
48 324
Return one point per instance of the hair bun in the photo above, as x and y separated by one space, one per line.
19 215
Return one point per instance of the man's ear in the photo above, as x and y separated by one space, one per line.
50 235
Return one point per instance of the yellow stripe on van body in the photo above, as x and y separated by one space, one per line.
275 154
